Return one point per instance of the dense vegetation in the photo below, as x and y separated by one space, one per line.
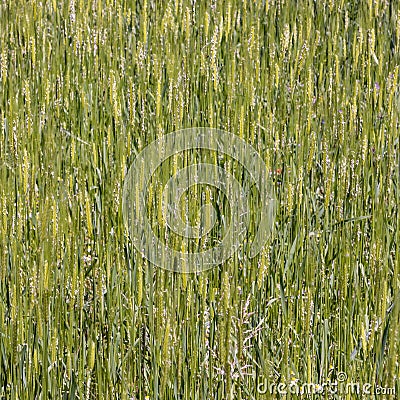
86 85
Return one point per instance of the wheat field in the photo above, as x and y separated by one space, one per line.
313 86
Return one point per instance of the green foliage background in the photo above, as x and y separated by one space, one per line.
84 86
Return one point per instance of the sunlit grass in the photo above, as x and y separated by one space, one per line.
85 86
